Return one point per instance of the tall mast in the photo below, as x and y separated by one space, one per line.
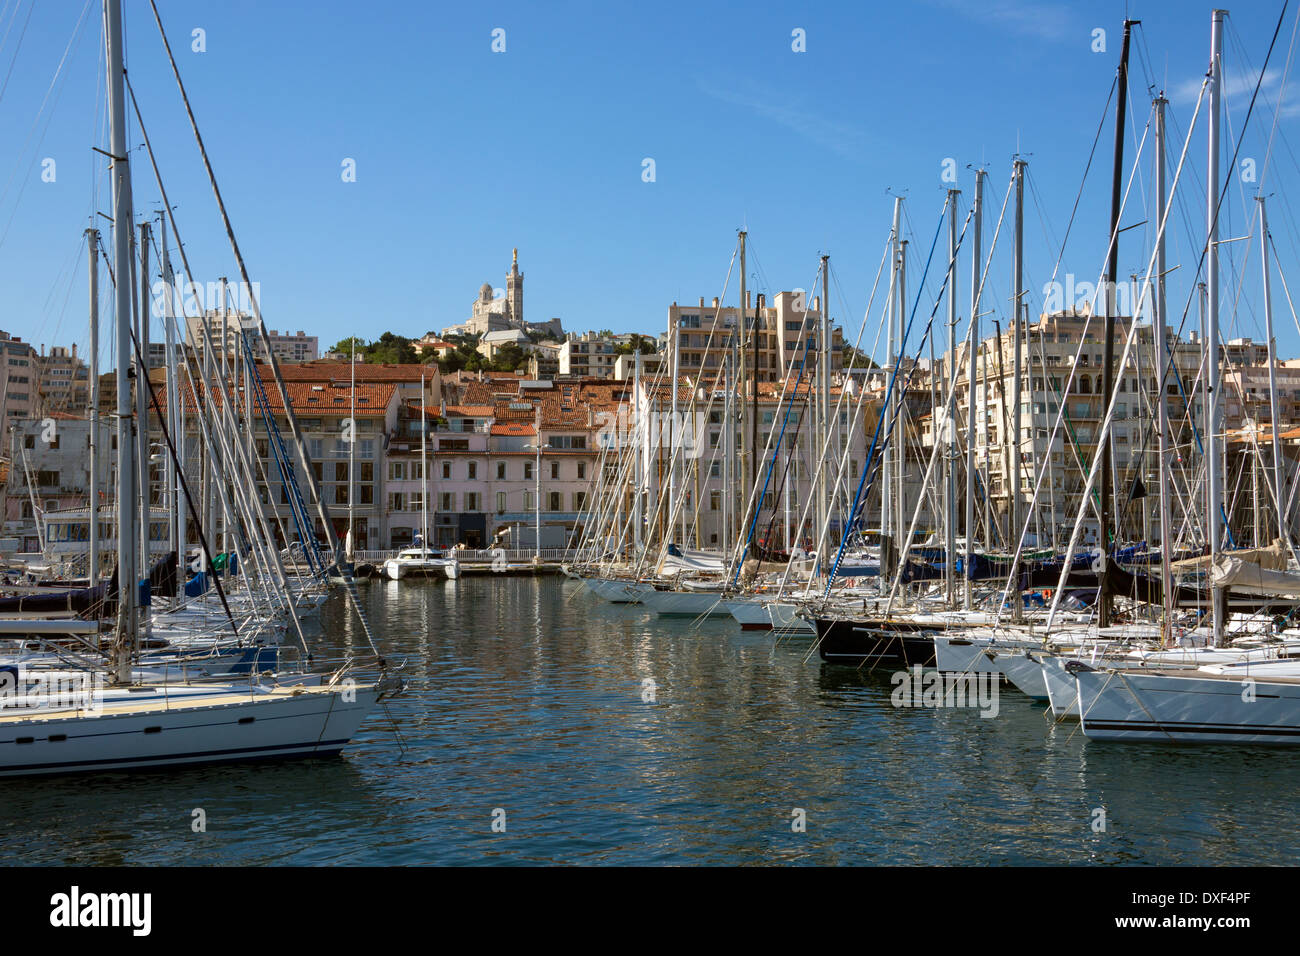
141 400
225 379
1017 290
638 461
1283 531
830 422
972 376
1108 352
950 413
1160 336
739 384
887 490
674 436
352 446
125 645
92 241
1213 465
176 414
424 470
900 427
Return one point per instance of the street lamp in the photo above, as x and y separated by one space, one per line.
537 504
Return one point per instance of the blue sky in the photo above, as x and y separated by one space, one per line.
462 153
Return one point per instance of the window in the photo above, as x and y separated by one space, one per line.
445 502
446 470
416 501
715 500
555 470
715 469
472 501
529 503
366 495
528 471
553 503
501 473
501 502
366 471
47 478
473 471
568 441
579 500
340 471
396 501
582 471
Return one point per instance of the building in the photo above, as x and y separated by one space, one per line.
287 347
589 355
50 472
19 381
64 380
787 339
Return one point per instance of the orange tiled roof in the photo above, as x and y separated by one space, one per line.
513 428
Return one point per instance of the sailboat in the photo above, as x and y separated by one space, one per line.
60 720
420 560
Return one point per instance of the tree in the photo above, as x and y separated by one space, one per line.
392 349
508 358
639 343
344 347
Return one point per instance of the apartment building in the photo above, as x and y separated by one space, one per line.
787 329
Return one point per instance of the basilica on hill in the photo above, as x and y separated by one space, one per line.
492 313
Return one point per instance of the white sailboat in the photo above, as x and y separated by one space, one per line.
54 721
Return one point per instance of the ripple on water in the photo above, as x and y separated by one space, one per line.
527 696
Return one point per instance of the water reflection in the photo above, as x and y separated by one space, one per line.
528 695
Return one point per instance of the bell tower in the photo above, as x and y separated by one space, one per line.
515 293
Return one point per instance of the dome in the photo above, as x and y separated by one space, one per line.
485 291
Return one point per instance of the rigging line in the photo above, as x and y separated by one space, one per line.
162 420
858 499
54 80
17 49
1074 210
194 374
322 508
1281 90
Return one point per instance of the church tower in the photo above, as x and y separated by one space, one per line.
515 293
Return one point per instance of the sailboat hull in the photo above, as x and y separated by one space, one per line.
166 730
870 643
1168 708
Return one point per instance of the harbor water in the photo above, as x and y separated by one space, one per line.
543 725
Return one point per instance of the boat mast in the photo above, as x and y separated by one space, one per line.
971 377
352 445
424 470
124 647
1212 314
1283 531
1108 352
1015 442
176 415
92 241
950 413
887 409
141 404
674 437
830 423
1160 335
739 380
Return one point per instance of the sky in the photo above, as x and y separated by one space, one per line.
462 152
